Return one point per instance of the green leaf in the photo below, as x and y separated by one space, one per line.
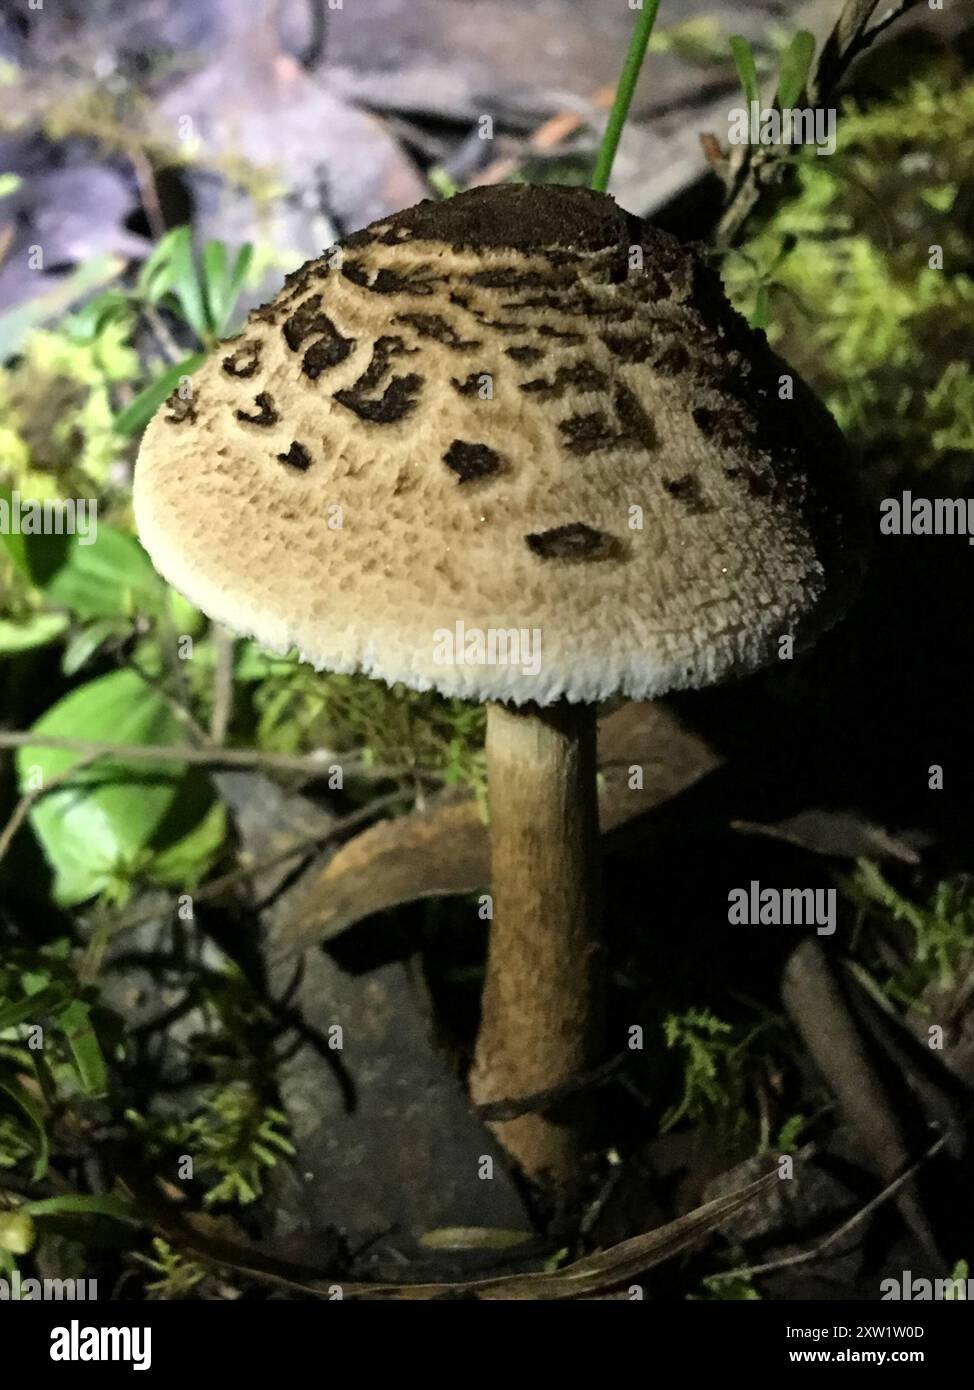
788 244
182 857
19 322
107 578
82 646
74 1022
14 544
796 62
941 198
84 1204
790 1133
28 1106
185 617
16 1232
441 183
187 288
222 285
139 412
30 1008
35 631
215 284
253 663
761 313
472 1238
158 269
170 275
9 183
85 324
99 828
241 269
746 67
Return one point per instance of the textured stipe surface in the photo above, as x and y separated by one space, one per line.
522 429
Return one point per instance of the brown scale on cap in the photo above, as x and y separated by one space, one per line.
471 385
581 376
629 427
472 462
573 542
244 361
655 401
296 457
390 281
524 354
687 490
399 393
179 410
546 330
265 415
436 327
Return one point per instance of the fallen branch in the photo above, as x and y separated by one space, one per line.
891 1191
309 764
590 1277
814 999
442 849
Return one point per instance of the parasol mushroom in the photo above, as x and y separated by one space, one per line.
516 447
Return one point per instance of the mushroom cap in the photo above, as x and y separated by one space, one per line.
514 446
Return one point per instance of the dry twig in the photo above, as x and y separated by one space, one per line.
308 765
891 1191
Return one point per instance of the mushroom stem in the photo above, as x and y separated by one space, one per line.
541 1013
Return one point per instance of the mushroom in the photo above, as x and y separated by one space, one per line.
516 447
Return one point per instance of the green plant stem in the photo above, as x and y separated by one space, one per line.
623 96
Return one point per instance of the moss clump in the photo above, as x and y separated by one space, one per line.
176 1276
388 728
56 436
939 946
234 1137
867 274
717 1069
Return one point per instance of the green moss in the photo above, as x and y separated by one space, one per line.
15 1142
234 1138
176 1276
716 1062
940 923
56 439
857 304
389 727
